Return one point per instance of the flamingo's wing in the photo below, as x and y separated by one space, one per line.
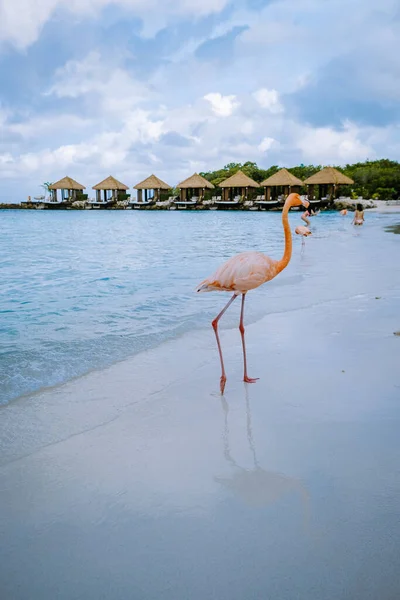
241 273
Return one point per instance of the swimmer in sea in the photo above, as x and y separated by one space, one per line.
359 215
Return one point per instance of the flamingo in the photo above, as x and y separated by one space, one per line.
303 231
244 272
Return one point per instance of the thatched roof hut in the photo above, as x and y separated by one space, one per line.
68 186
239 180
282 178
110 183
329 175
238 184
152 183
327 179
195 182
66 183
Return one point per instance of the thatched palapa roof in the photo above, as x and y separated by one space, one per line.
329 175
110 183
239 180
67 183
195 181
282 177
152 183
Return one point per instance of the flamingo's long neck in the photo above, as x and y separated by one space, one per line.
281 264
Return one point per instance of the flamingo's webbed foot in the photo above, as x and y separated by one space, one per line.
250 379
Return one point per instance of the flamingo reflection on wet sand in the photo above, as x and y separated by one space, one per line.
256 486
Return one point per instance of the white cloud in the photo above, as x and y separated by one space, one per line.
223 106
330 146
269 99
103 84
21 21
106 149
265 144
6 158
247 127
51 125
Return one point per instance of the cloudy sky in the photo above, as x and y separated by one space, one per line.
131 87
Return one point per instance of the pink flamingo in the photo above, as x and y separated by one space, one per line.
303 231
244 272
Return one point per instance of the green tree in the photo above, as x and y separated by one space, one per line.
46 186
369 176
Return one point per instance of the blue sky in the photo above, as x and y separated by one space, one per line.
91 88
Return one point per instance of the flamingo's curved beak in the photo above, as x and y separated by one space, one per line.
305 202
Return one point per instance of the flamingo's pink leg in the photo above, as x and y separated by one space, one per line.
246 378
215 327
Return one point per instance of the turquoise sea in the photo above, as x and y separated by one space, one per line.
82 290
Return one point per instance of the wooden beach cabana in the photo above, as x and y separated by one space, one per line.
149 191
111 189
327 179
192 191
235 189
282 181
69 190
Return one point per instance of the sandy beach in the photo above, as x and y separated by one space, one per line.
382 207
140 481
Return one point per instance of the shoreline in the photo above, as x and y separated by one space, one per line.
380 206
137 373
201 334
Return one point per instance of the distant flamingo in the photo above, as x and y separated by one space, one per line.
247 271
303 231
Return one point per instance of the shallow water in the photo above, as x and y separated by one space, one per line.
81 290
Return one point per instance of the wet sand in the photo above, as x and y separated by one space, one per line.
141 482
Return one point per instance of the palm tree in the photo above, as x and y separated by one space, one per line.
46 186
